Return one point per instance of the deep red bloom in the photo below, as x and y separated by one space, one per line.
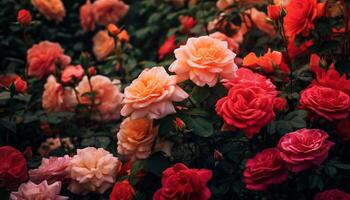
122 191
333 194
7 80
167 47
274 11
24 17
187 22
13 168
180 182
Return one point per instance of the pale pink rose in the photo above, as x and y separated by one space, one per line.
87 17
56 98
103 45
232 44
51 9
42 191
108 97
109 11
52 169
72 72
93 170
203 60
259 19
43 57
151 95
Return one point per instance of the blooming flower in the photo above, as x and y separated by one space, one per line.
187 23
24 17
71 73
7 80
136 137
42 191
122 191
274 11
87 17
92 170
259 19
107 98
151 95
103 45
232 44
52 9
267 62
109 11
333 194
304 148
43 57
167 47
203 60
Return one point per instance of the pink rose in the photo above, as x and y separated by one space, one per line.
109 11
52 169
43 57
265 169
87 17
203 60
108 97
152 94
304 148
71 73
42 191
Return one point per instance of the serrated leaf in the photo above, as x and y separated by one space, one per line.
199 126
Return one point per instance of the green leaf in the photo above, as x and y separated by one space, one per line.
10 125
156 163
166 125
199 126
342 166
199 94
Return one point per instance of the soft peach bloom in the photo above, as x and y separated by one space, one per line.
56 98
42 191
52 169
135 138
93 170
203 60
87 17
108 97
72 72
43 57
151 95
103 45
232 44
259 19
51 9
109 11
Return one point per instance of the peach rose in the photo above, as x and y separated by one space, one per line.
43 57
72 72
135 138
151 95
52 169
51 9
232 44
56 98
203 60
109 11
108 98
258 19
87 17
42 191
93 170
103 45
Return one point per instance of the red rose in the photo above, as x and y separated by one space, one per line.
7 80
333 194
167 47
187 22
294 51
71 73
265 169
249 105
92 71
122 191
180 182
301 15
343 129
327 102
13 168
274 11
280 103
24 17
304 148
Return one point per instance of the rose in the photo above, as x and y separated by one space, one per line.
122 191
24 17
71 73
232 44
123 36
103 45
151 95
265 169
87 17
42 191
7 80
203 60
333 194
180 182
274 11
304 148
187 22
326 102
267 62
167 47
249 104
52 10
109 11
13 167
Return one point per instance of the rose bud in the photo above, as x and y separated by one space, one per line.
24 17
92 71
113 30
179 124
123 36
274 11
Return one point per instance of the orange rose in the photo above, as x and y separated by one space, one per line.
51 9
109 11
267 62
108 98
7 80
87 18
56 98
113 30
203 60
259 20
135 138
232 44
151 95
123 36
103 45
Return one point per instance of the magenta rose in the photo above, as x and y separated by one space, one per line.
332 104
333 194
265 169
180 182
304 148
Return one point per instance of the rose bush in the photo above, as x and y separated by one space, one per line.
175 99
